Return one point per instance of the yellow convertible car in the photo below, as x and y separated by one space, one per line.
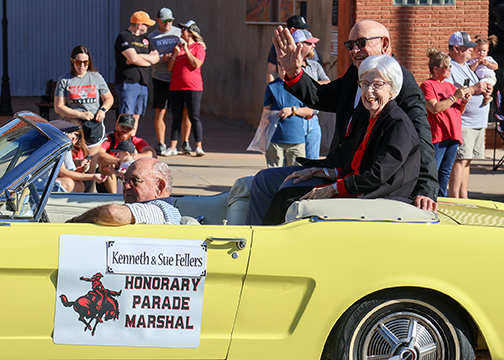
340 279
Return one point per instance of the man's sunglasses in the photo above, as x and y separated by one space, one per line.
167 20
361 42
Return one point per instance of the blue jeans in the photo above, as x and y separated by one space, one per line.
446 151
313 137
266 184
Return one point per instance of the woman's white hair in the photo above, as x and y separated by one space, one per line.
387 68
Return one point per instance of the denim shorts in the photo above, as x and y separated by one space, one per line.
132 98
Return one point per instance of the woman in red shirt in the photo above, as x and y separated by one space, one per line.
186 86
445 105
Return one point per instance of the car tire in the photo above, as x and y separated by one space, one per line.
409 325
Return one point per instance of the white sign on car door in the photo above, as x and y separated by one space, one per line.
122 291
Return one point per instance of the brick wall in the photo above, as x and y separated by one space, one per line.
413 29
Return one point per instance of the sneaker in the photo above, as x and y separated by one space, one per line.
186 148
200 152
171 152
160 149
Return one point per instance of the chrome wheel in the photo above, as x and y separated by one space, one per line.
403 336
401 324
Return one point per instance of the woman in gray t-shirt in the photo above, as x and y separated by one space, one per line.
78 95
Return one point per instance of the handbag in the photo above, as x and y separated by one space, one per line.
93 130
265 130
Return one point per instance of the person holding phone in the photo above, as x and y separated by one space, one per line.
475 116
186 86
445 105
70 177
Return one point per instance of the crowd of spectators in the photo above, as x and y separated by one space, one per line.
83 98
449 113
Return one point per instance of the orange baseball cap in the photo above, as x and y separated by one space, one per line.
141 17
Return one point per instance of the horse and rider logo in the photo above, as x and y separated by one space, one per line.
98 304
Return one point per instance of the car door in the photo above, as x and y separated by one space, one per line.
29 261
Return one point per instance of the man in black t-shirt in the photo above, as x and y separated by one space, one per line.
134 54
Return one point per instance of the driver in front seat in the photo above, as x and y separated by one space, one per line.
147 186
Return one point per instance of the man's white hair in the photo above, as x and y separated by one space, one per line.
162 170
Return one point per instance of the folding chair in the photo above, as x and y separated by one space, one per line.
499 114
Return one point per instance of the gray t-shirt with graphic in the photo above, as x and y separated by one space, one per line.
165 43
82 93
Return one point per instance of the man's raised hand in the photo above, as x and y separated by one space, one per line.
288 53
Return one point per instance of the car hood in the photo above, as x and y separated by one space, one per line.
473 212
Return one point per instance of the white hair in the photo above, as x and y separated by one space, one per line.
162 170
387 68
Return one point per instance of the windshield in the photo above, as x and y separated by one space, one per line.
18 140
24 200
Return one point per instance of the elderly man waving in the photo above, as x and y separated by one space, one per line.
342 96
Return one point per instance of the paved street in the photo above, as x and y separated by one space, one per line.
226 158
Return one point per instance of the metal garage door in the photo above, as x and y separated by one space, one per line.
42 34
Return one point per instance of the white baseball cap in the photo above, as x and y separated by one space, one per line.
304 35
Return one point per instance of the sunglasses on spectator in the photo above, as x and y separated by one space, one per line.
134 181
361 42
167 20
81 62
76 135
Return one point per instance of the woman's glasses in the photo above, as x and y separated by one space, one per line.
361 42
81 62
375 85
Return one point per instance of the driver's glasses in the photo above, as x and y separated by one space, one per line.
133 180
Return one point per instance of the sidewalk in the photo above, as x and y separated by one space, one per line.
226 159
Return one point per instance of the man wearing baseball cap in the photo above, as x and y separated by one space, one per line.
475 117
295 22
134 54
108 160
164 38
313 135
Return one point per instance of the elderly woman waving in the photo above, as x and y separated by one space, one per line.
386 162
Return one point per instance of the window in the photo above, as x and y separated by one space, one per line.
423 2
269 11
